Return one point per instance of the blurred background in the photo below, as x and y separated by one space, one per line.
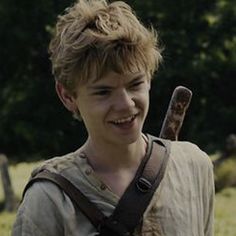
199 37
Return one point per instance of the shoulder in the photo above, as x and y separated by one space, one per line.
189 150
71 166
58 164
184 153
189 156
39 192
39 212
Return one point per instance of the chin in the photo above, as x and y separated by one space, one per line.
127 138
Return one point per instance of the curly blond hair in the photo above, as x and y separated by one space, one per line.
94 36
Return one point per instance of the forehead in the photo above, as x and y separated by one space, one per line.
113 77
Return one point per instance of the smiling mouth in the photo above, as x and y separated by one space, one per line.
124 120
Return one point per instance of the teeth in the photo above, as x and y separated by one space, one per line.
128 119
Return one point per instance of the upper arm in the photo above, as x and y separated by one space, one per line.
201 168
39 214
206 174
209 202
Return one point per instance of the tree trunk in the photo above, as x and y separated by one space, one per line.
10 199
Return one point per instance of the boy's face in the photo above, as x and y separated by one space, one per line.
114 107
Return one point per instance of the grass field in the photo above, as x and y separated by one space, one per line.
225 212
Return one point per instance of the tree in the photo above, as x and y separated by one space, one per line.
200 43
199 40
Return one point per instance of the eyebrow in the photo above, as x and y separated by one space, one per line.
107 87
100 87
136 78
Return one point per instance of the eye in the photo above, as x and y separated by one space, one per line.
103 92
136 85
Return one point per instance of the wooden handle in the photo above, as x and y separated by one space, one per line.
175 114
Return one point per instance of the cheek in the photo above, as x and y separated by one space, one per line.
142 102
91 121
92 113
144 97
145 102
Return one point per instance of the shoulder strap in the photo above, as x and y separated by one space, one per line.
85 205
129 211
139 193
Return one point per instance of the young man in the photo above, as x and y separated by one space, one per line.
103 60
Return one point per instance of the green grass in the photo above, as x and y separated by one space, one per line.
6 221
225 208
225 213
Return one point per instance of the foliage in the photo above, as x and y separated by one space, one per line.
200 44
225 174
32 119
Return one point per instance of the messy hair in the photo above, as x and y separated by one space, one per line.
94 36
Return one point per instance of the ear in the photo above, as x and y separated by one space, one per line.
66 97
149 80
149 84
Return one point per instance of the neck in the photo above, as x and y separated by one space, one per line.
113 157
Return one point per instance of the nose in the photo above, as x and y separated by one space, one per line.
123 100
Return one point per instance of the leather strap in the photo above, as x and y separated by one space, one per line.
139 193
130 208
81 201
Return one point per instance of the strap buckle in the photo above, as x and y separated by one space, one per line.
143 185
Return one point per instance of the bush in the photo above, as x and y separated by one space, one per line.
225 174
